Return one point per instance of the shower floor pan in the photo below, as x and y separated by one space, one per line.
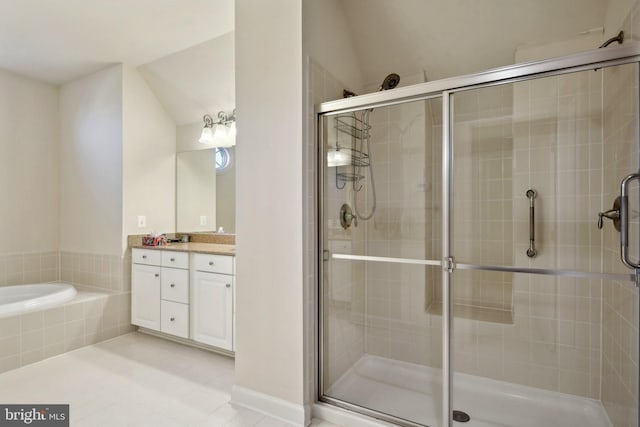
413 392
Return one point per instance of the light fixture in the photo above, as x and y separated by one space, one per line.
338 157
224 134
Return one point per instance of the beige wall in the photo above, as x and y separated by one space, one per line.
333 50
269 296
29 169
91 163
187 137
148 169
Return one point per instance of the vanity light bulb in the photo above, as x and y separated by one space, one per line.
220 132
206 137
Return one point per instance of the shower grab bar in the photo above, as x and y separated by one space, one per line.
531 195
624 221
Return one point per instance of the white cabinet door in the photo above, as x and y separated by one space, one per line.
145 296
212 309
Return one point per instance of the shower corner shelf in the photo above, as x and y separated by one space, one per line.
353 126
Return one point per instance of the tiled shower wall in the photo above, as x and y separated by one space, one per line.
397 295
483 202
620 298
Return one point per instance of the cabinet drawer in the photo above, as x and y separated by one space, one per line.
175 285
175 259
213 263
174 319
145 256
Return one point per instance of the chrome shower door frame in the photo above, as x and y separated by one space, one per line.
446 89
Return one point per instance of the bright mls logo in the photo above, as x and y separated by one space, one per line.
34 415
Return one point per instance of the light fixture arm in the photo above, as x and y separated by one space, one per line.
226 118
208 121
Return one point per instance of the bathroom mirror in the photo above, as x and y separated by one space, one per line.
205 190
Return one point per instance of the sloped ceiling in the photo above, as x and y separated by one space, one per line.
447 38
59 41
195 81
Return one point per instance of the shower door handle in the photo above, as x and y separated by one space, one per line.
531 195
624 221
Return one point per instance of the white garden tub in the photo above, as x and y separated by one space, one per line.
15 300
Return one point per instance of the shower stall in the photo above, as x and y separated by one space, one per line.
478 247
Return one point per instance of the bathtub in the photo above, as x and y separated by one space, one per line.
21 299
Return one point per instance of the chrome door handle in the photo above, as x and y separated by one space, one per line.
531 195
624 220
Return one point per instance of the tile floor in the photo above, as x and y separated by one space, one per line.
136 380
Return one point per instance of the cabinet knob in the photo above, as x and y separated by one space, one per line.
144 257
172 259
172 319
228 285
210 262
157 275
172 285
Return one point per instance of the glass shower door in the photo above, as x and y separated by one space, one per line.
380 344
545 314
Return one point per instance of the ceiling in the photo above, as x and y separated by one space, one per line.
456 37
59 41
185 49
195 81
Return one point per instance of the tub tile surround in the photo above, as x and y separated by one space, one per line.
89 318
106 272
101 310
27 268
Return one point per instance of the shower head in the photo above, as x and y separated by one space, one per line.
390 82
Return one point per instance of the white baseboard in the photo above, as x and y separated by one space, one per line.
296 415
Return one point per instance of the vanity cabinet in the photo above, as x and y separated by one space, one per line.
145 296
160 291
188 295
212 312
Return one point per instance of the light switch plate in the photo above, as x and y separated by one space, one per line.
142 221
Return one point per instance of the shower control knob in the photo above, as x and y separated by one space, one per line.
613 214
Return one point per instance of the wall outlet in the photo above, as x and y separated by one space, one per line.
142 221
203 220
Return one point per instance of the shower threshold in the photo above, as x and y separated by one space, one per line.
413 392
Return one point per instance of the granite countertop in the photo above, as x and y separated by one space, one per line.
204 248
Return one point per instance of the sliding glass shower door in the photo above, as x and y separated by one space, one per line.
381 349
478 247
537 323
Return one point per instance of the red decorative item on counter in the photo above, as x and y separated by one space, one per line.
150 240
